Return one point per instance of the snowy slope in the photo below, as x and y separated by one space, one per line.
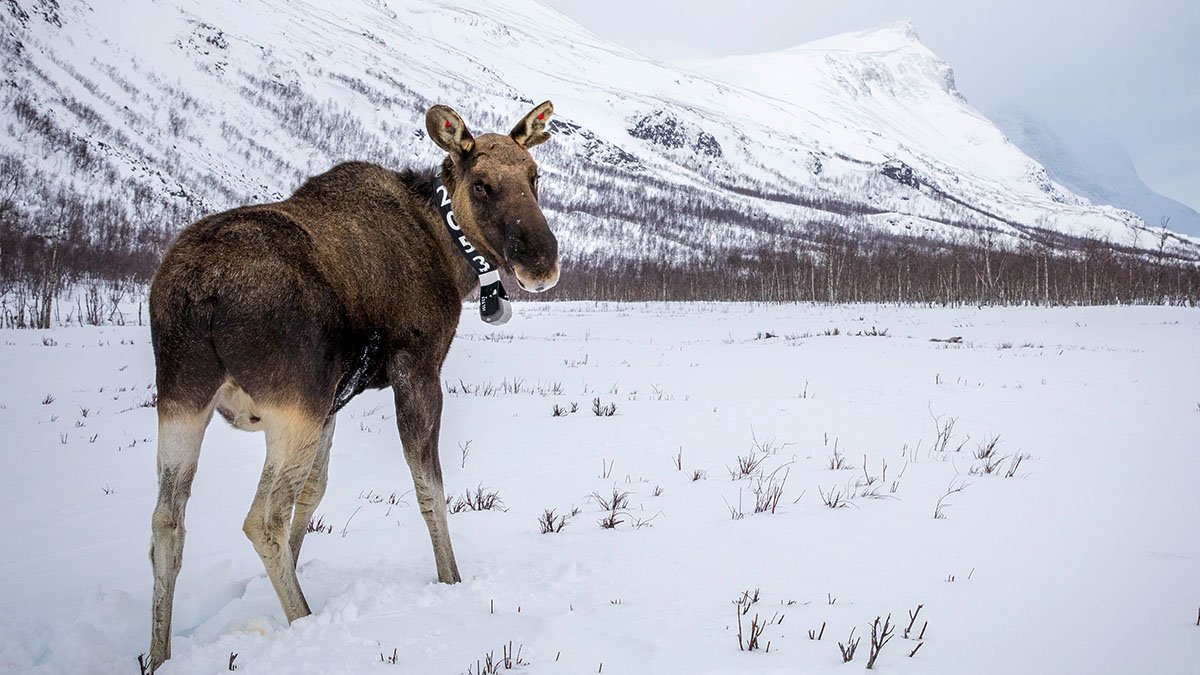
885 97
1096 169
182 107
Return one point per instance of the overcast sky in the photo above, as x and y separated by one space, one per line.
1127 68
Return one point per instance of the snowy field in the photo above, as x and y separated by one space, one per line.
1073 548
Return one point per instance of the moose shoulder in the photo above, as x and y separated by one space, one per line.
276 315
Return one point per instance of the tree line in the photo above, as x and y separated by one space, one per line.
847 266
72 240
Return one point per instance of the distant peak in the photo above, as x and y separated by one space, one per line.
903 28
887 37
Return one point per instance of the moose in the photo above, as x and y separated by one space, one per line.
275 315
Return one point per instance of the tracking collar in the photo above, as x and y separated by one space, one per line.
494 307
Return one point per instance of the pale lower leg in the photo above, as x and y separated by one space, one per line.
432 500
293 439
313 491
179 439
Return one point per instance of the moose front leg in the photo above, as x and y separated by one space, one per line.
419 417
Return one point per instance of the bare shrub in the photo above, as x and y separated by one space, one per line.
505 387
768 491
550 522
881 634
912 619
639 523
563 411
735 512
987 467
616 506
749 643
837 461
990 459
871 486
987 450
767 446
603 410
849 648
868 480
490 665
955 486
835 499
746 465
1015 464
479 500
747 599
319 525
393 499
944 429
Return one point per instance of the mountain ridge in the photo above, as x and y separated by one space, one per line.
208 105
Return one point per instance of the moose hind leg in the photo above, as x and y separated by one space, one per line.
419 415
179 437
313 491
293 439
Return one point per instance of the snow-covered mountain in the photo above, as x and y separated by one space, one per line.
161 110
1094 168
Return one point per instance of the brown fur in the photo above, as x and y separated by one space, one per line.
275 315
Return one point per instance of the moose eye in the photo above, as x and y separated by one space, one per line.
480 189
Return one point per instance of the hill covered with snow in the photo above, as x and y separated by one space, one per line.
149 114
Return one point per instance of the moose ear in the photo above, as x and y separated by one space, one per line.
449 131
532 129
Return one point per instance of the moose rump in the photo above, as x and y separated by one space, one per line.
244 322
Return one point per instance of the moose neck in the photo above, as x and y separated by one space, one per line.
466 281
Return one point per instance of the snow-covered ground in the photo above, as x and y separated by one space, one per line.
1086 560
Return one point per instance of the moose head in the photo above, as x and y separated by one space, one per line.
493 183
